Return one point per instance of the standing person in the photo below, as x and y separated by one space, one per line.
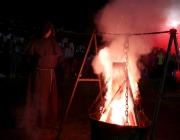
153 64
6 57
20 68
2 54
69 54
14 57
41 103
160 57
175 68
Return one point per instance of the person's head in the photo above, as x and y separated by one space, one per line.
48 29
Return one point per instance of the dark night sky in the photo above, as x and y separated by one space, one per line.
75 15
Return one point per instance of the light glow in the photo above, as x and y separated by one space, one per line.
115 105
174 24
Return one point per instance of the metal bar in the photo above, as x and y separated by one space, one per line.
135 106
176 48
162 32
114 97
99 95
83 79
99 76
151 33
162 85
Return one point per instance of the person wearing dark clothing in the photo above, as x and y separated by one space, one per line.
14 57
172 67
160 63
4 54
153 65
41 103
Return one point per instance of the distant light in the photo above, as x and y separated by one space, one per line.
174 24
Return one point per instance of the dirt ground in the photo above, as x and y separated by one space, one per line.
77 125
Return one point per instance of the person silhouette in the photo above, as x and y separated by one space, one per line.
43 53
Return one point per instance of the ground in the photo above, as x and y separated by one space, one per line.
76 124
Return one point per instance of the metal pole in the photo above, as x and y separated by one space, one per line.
72 95
99 76
176 47
172 36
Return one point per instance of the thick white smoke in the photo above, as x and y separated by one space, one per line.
130 16
122 16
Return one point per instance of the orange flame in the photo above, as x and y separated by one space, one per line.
118 87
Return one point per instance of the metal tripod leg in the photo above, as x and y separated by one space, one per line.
80 79
172 37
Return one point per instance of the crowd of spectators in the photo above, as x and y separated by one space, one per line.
12 62
153 64
73 58
13 40
12 65
14 36
11 48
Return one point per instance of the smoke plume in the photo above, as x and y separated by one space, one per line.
120 17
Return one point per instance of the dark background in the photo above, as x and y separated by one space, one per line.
75 15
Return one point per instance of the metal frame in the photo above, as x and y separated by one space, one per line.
173 33
161 87
81 79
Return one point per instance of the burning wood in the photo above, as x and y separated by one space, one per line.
117 115
122 92
130 118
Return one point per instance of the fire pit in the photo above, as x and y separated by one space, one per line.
101 130
107 131
116 114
